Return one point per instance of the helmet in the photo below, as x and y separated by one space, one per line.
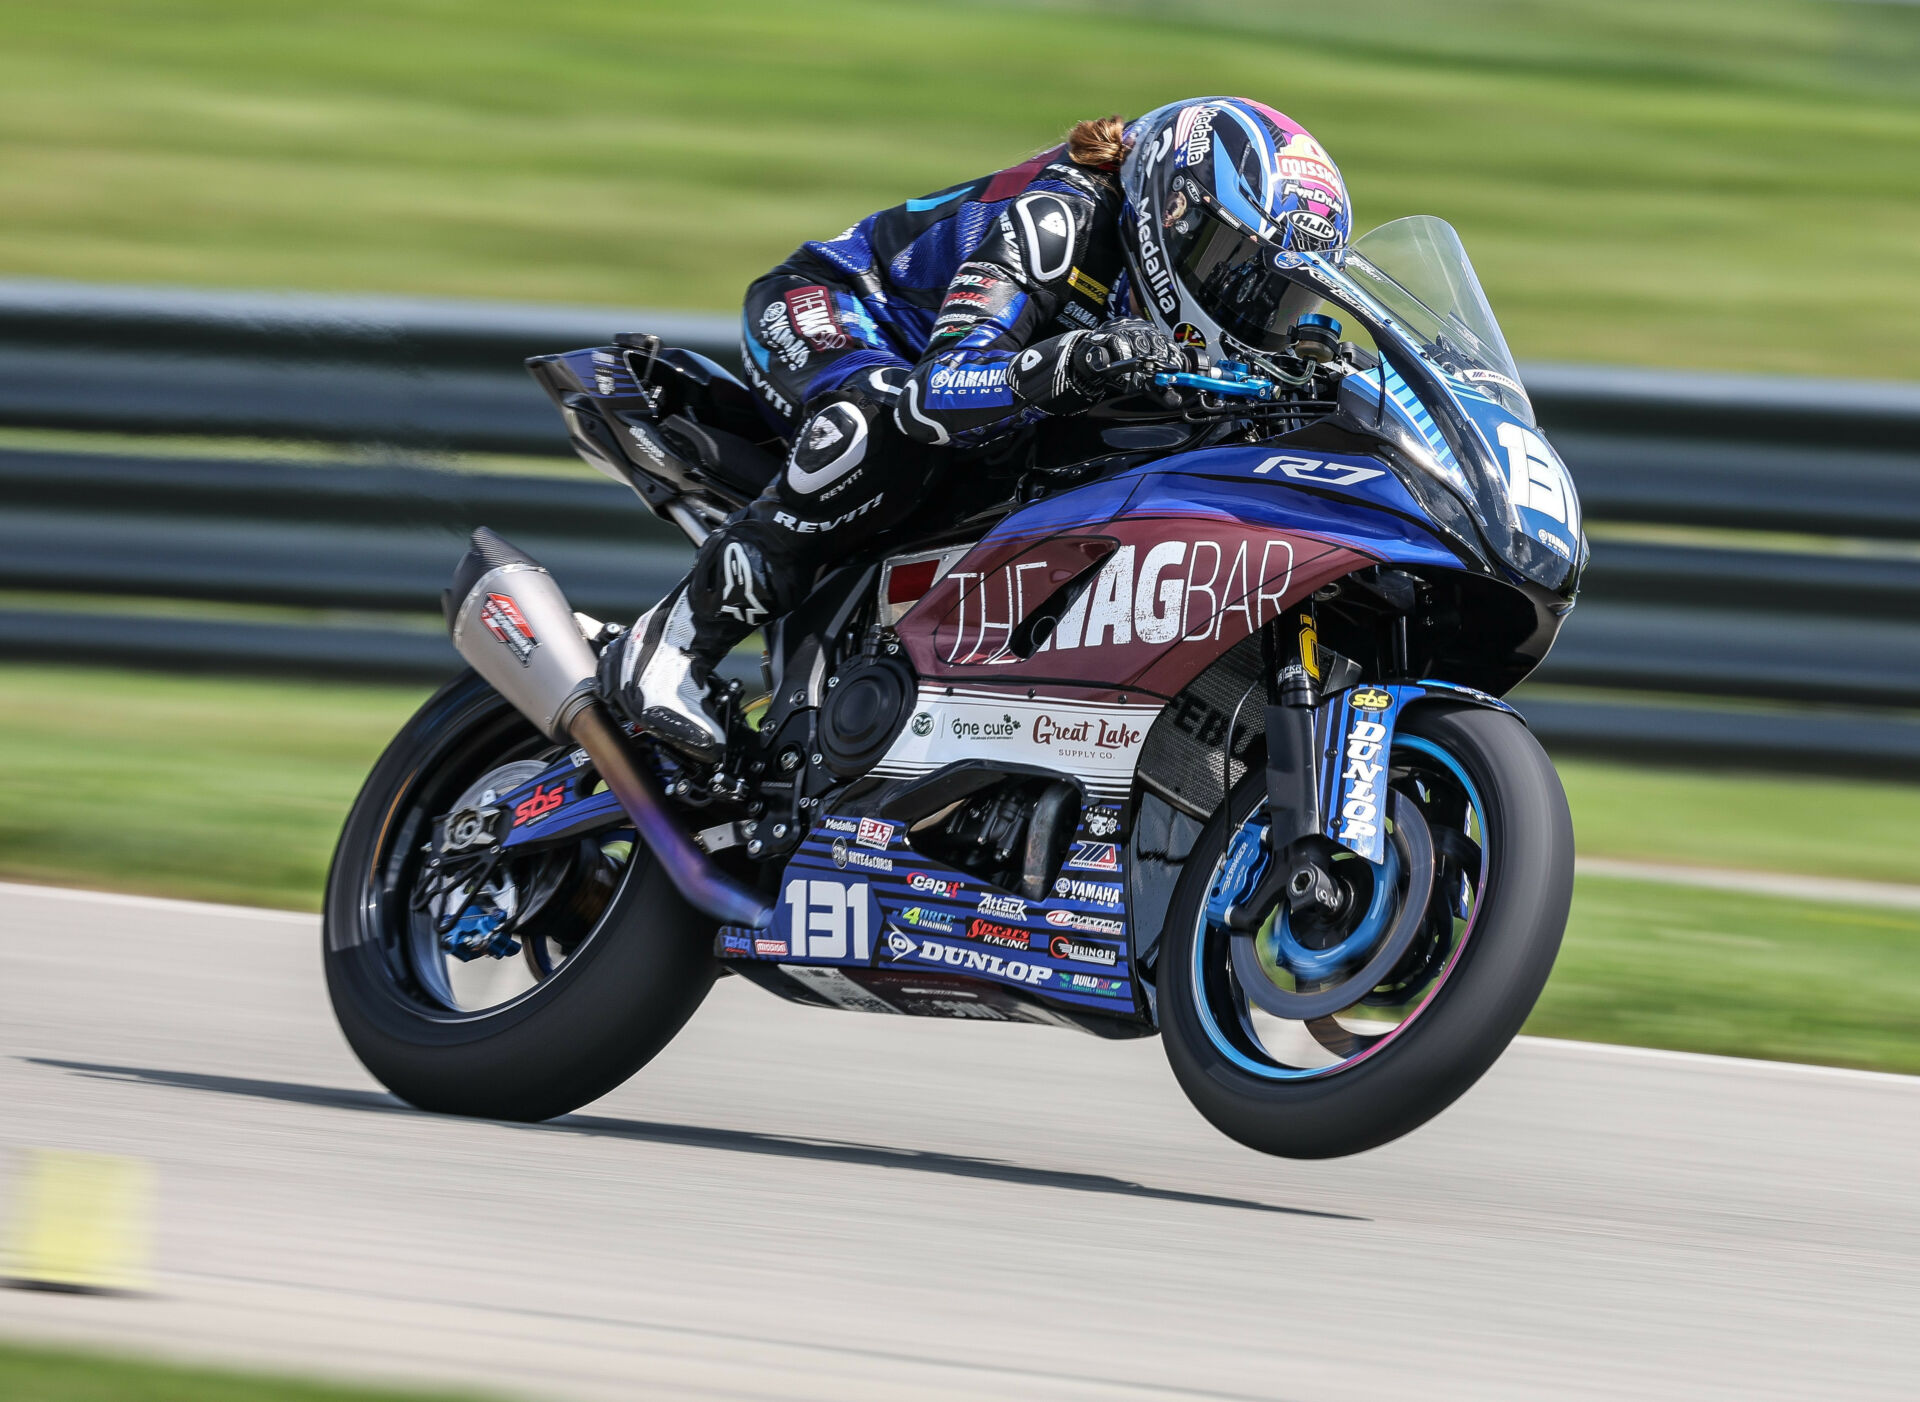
1212 184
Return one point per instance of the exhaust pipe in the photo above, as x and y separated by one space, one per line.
512 624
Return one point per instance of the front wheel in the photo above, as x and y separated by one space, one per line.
1312 1038
513 989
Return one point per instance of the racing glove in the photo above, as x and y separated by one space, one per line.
1066 374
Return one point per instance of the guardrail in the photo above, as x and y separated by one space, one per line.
1764 649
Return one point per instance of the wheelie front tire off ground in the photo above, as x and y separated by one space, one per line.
1482 847
576 964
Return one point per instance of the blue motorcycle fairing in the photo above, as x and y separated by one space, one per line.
855 895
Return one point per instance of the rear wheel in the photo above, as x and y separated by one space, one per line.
1312 1040
519 989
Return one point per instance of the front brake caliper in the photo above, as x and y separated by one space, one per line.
1240 874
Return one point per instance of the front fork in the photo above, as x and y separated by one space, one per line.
1284 855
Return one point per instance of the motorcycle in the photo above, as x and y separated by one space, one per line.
1188 725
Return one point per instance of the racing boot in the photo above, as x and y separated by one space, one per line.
658 674
653 677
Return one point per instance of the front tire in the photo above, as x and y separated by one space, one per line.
633 964
1461 996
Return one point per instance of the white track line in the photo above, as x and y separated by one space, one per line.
1759 883
1705 1060
12 890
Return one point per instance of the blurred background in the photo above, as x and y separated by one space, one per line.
267 273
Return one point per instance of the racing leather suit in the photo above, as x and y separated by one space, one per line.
944 322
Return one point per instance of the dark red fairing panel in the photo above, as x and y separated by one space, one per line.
1167 595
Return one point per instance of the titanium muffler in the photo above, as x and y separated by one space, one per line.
514 627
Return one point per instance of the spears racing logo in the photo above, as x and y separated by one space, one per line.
508 625
988 932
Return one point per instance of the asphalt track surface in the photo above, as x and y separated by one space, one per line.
801 1204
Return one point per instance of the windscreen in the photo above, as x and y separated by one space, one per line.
1448 378
1418 269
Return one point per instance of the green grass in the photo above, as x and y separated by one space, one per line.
1689 182
234 790
1709 971
1822 827
221 790
37 1374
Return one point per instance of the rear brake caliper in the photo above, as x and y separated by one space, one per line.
480 933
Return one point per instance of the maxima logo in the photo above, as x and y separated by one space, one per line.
1094 924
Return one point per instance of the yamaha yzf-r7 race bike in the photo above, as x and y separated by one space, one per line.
1183 718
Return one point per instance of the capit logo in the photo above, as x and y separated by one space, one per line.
933 885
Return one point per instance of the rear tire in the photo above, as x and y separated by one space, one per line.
1477 1007
600 1016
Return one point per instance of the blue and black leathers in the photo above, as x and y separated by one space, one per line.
946 322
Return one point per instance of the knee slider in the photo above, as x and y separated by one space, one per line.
745 573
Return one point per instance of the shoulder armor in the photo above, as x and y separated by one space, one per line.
1040 234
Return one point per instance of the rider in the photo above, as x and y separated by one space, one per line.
963 316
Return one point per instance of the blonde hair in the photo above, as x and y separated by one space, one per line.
1100 142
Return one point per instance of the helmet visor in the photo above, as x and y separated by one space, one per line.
1230 275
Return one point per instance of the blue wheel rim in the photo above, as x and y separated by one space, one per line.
1205 938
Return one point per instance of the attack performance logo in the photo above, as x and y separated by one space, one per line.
508 625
